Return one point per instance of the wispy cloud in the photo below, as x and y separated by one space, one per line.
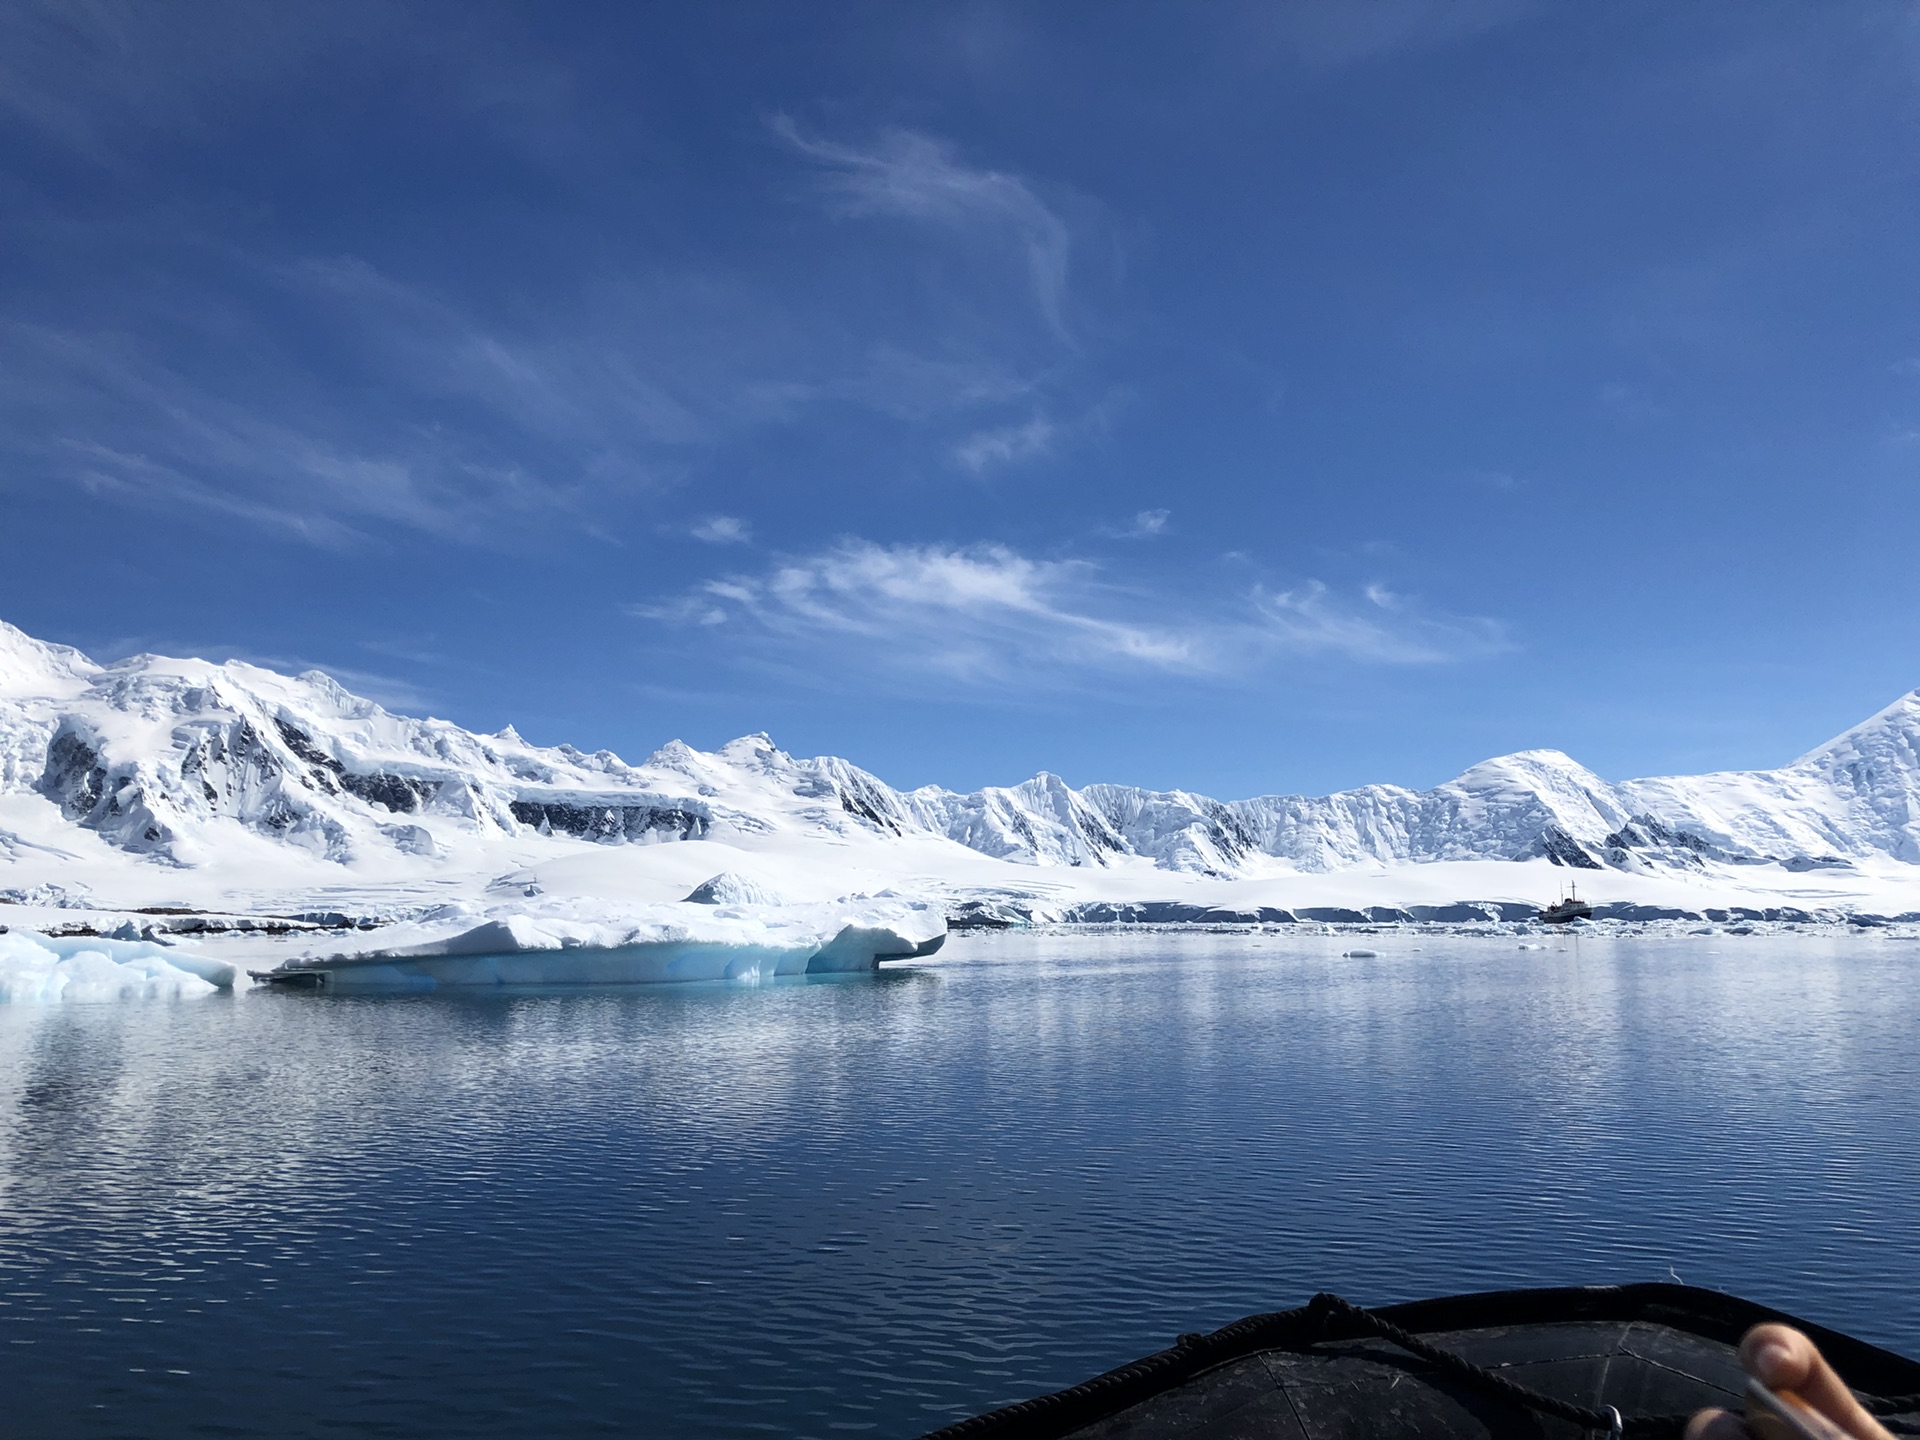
1343 32
113 474
98 410
981 612
1504 482
989 615
425 414
103 77
1144 526
920 178
169 353
1382 628
1005 445
915 387
723 530
93 77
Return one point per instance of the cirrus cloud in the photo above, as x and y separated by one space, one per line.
1006 445
990 615
723 530
919 177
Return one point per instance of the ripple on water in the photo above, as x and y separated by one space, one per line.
878 1205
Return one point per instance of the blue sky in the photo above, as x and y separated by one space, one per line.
1246 398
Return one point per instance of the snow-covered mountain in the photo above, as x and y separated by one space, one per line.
178 761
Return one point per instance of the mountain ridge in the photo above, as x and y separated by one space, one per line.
170 759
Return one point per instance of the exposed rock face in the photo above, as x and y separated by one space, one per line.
74 777
150 753
617 822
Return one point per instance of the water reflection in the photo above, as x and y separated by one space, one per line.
816 1205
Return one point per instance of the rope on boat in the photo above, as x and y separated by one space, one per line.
1607 1420
1105 1394
1884 1407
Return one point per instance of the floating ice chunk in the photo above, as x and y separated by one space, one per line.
727 888
35 967
637 945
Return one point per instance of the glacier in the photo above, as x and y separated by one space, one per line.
181 796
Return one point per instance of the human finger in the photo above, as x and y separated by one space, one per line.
1716 1425
1781 1358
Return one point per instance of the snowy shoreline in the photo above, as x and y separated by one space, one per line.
228 808
35 967
176 925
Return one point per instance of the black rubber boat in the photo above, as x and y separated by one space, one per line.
1626 1359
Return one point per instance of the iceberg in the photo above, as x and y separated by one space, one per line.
643 945
36 967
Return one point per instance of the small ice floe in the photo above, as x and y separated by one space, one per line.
1360 954
1532 947
36 967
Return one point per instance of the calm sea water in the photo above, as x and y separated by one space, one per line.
876 1204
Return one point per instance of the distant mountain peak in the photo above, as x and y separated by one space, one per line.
38 667
164 757
1896 729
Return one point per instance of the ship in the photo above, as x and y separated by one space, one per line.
1567 908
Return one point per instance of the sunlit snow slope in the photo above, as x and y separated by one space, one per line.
112 774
